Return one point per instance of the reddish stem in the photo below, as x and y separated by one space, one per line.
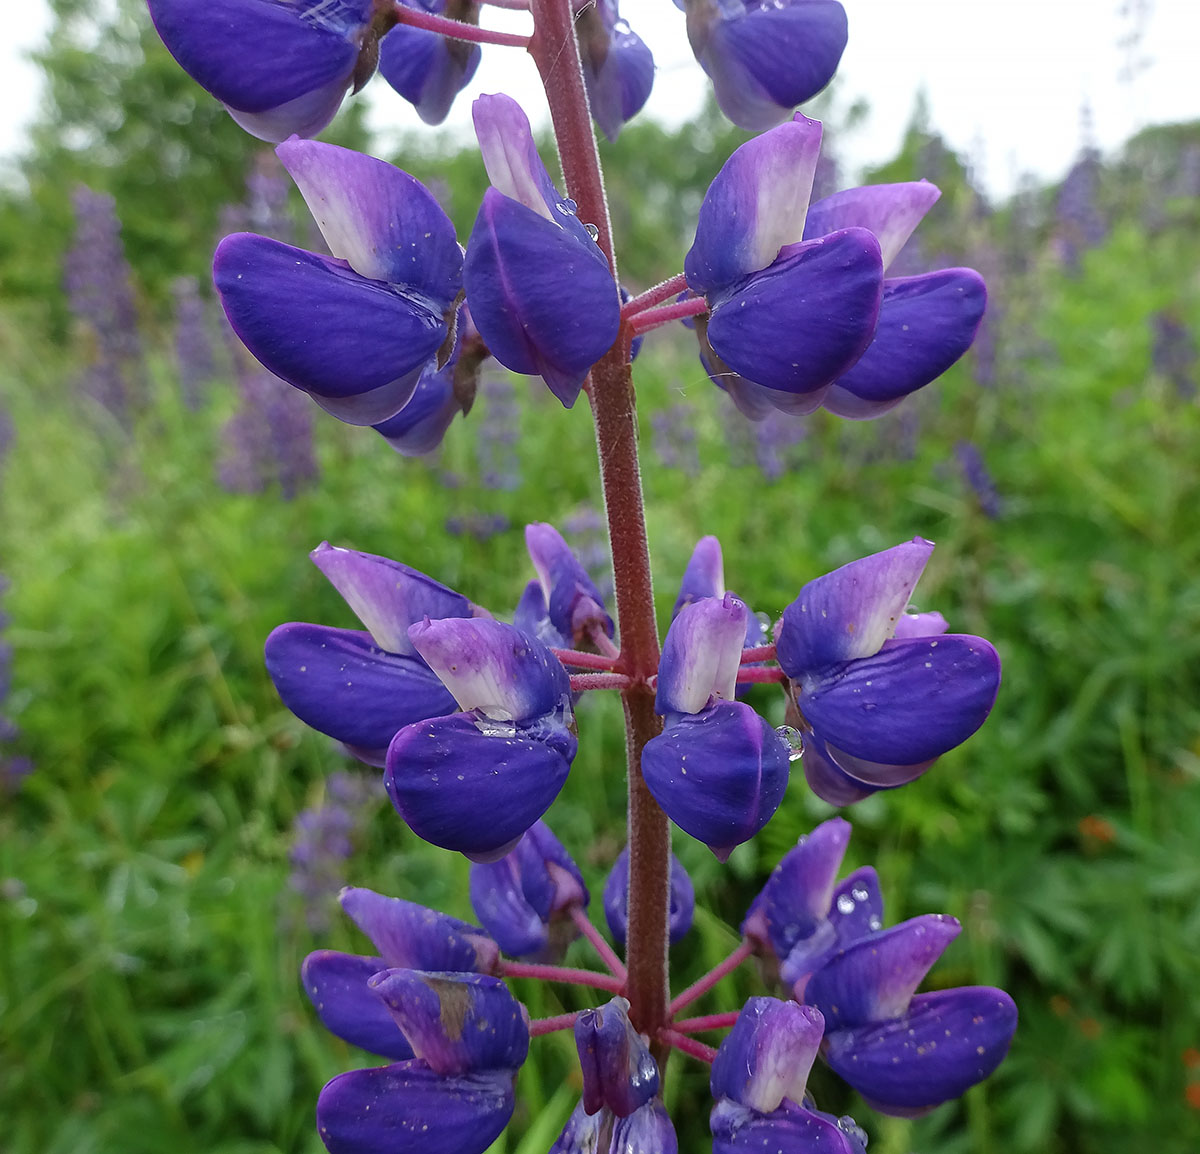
599 943
581 681
457 30
541 1026
689 1046
760 653
649 319
562 974
555 51
702 985
663 291
708 1022
746 676
601 661
602 642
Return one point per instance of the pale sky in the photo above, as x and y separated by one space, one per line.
1006 79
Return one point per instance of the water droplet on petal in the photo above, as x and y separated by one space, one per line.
592 231
794 740
859 894
845 904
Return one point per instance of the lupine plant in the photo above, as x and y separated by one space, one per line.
471 717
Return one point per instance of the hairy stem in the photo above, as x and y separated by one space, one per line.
555 51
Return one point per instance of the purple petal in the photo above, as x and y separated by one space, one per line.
789 1130
873 979
794 904
573 602
532 616
511 158
755 206
618 1072
754 401
419 427
428 70
413 937
219 44
307 115
701 655
384 223
386 596
921 625
391 1108
321 327
768 1054
493 667
890 211
339 682
543 298
856 910
618 68
473 785
704 575
872 774
851 612
719 775
765 61
925 324
910 703
457 1023
616 900
825 779
645 1131
946 1043
802 322
336 984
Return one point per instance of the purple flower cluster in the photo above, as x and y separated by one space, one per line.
195 360
99 288
14 768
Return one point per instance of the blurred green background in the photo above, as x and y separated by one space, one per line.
161 870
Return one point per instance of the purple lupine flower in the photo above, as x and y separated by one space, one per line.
523 900
906 1052
268 439
619 1073
361 688
356 330
317 51
480 526
882 693
441 393
765 58
759 1079
1080 223
469 1037
718 769
787 316
573 606
194 358
647 1130
405 936
99 288
588 530
429 70
773 437
616 900
474 781
970 461
540 290
618 68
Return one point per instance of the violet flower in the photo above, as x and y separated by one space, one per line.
405 936
356 330
360 687
474 781
469 1036
616 900
540 290
618 68
429 70
787 315
570 607
523 900
279 69
882 693
764 57
718 769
